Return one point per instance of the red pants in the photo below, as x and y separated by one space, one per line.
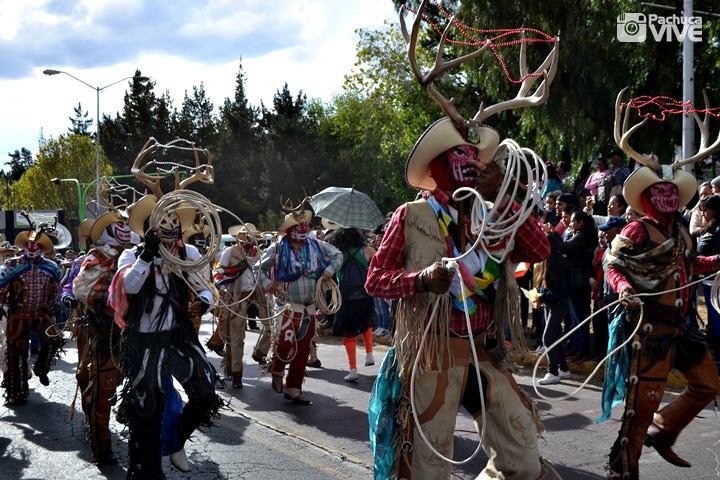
297 330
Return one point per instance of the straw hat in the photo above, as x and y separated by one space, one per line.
84 232
102 222
186 214
139 212
439 137
292 219
644 177
193 230
43 240
244 230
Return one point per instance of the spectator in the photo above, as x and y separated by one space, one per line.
631 215
715 184
562 202
616 207
605 294
355 315
709 244
593 183
620 172
552 182
579 250
696 221
548 214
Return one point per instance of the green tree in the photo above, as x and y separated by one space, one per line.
80 122
19 162
69 156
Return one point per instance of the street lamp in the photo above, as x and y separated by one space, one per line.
49 72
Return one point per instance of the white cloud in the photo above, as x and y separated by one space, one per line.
309 45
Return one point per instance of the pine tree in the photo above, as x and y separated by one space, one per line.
80 122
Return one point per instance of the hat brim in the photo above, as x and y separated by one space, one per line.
643 177
438 138
247 229
43 240
139 212
102 222
194 230
290 221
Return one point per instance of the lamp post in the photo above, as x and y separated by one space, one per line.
84 188
49 72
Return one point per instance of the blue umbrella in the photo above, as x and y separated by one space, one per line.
347 207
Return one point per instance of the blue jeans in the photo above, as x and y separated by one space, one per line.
382 309
579 311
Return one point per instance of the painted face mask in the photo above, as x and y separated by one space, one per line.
33 250
169 228
665 197
298 233
464 166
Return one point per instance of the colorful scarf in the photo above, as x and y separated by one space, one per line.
309 262
475 286
12 270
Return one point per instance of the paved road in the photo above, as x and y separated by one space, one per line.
261 436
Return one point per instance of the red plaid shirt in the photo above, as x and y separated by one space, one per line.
387 277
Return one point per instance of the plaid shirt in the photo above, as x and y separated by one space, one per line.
387 277
40 290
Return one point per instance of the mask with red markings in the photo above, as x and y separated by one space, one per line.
33 249
298 233
665 197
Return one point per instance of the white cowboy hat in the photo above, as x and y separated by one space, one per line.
43 240
139 212
292 219
439 137
244 230
84 232
102 222
193 230
643 177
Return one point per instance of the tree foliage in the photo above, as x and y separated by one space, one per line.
69 156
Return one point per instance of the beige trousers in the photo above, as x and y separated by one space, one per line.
511 434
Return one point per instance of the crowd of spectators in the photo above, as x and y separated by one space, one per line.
571 284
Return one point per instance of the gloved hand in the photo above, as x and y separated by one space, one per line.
69 302
152 246
435 279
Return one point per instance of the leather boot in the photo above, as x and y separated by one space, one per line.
662 441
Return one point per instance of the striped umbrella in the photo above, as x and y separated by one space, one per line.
347 207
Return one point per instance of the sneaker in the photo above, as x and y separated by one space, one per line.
352 376
563 374
549 379
381 332
369 359
540 350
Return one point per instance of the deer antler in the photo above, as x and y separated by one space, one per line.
202 173
288 208
622 134
440 67
703 150
106 195
548 69
152 182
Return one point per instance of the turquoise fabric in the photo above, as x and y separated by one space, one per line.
616 368
382 411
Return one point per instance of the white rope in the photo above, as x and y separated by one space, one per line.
489 226
716 280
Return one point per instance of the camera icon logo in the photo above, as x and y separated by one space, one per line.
631 27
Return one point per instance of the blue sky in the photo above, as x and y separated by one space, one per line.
309 44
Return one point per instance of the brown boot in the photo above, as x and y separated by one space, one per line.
662 441
277 382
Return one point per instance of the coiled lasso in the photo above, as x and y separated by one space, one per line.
647 327
499 223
